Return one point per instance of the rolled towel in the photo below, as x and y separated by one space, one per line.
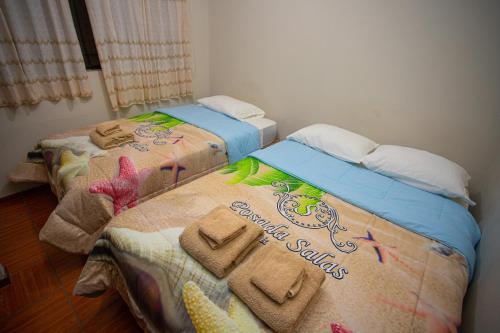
112 140
281 276
280 317
108 128
221 226
222 260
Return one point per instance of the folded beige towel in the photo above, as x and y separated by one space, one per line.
222 260
281 276
108 128
221 226
280 317
112 140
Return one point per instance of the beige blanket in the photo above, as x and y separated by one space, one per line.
379 277
166 153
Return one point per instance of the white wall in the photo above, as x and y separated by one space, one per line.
421 73
21 128
482 302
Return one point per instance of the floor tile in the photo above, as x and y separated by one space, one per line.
89 308
19 242
67 266
51 314
27 286
39 297
13 208
20 252
111 319
40 205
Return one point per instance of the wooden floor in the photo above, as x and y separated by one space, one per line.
39 297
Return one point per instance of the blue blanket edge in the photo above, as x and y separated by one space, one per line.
474 228
241 138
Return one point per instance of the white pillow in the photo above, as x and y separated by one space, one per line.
335 141
232 107
421 169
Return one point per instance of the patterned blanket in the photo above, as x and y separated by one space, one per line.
380 277
167 152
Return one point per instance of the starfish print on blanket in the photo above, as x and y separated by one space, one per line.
338 328
124 189
208 317
172 164
384 252
380 249
437 320
177 139
71 166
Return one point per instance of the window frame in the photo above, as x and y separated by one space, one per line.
84 33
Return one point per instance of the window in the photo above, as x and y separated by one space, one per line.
84 33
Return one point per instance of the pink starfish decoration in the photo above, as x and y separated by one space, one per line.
124 189
437 320
338 328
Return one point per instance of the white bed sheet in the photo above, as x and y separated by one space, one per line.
268 129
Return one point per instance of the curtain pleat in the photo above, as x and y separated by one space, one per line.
144 49
40 57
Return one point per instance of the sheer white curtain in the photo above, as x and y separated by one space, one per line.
144 49
40 57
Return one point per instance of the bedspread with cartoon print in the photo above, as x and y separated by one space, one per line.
167 152
380 277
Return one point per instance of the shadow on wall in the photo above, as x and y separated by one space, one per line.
482 301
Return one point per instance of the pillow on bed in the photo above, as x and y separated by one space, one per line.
232 107
421 169
335 141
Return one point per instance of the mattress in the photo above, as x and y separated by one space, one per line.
168 152
268 130
241 138
388 250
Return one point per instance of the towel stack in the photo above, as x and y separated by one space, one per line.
280 276
277 286
109 135
220 240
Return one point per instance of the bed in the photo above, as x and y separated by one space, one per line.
172 147
396 258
